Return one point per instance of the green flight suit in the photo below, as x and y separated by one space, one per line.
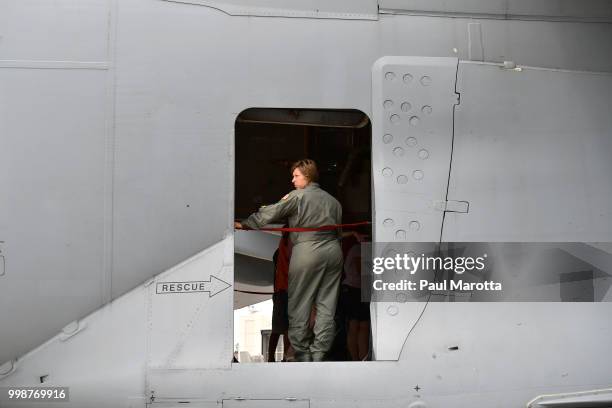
315 267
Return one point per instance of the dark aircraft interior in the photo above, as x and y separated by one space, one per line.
267 143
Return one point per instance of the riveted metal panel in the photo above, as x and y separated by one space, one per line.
413 99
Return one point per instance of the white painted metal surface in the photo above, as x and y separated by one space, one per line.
413 100
53 205
193 330
339 9
40 31
531 156
286 403
166 81
453 354
106 363
2 261
586 398
118 120
555 10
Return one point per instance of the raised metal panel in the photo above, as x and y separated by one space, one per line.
341 9
193 330
53 127
413 99
532 156
40 30
593 10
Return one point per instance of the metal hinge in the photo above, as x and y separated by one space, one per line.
452 206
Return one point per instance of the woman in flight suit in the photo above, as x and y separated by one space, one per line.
316 259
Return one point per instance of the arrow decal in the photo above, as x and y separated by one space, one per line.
212 286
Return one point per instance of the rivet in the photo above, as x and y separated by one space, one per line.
406 106
411 141
71 327
425 80
509 65
388 138
388 104
390 76
414 120
388 222
400 235
423 154
414 225
395 119
398 151
417 174
401 179
401 297
407 78
387 172
392 310
427 109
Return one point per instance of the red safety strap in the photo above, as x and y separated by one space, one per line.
323 228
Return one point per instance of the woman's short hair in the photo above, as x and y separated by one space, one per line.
308 168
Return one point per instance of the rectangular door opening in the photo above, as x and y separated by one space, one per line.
267 143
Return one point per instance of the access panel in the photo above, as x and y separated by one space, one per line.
413 102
